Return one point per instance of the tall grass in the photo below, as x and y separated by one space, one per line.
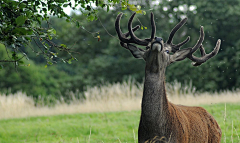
124 96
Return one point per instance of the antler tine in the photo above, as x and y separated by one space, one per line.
133 36
182 43
127 34
175 29
198 61
153 27
202 51
177 47
200 40
134 29
121 36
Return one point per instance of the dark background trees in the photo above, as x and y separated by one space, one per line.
101 59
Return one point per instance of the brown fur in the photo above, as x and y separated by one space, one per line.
183 124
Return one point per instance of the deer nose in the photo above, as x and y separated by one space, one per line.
159 39
157 46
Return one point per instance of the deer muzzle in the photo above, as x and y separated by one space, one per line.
156 46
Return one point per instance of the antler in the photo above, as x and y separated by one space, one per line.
204 57
123 37
197 61
133 39
174 30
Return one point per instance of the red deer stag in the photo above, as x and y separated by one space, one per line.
159 117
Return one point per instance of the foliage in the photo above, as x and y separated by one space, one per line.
21 23
102 59
106 60
98 61
102 127
220 72
35 80
27 33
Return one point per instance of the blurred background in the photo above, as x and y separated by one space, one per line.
101 61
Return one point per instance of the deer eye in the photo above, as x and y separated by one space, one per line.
167 51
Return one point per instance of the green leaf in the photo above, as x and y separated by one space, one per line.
52 31
139 11
124 5
22 5
21 62
14 56
70 61
65 5
29 13
43 4
132 7
77 24
63 45
49 37
49 63
46 48
88 8
20 20
91 17
22 31
144 12
13 46
45 10
63 61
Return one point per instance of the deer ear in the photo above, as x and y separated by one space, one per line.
136 52
180 55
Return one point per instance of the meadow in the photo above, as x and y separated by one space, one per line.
109 114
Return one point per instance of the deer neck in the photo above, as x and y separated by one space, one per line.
154 101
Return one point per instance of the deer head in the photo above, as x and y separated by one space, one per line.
157 53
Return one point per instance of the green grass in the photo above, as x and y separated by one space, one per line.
102 127
229 120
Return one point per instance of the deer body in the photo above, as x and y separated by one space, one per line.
161 120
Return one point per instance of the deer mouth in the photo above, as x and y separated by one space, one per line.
156 46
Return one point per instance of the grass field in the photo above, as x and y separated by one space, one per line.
107 127
109 98
109 114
